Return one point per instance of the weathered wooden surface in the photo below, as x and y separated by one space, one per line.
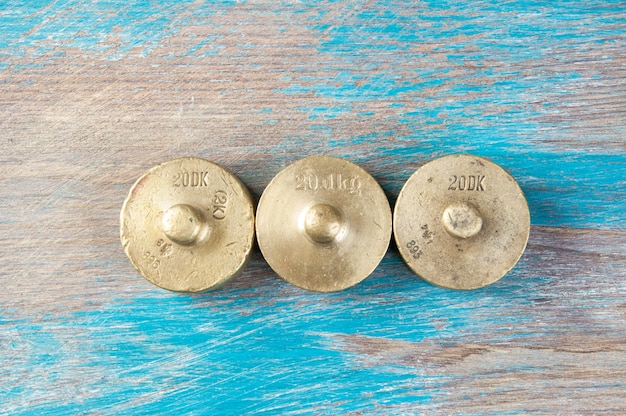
94 93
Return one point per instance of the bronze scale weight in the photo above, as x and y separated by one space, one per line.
323 224
187 225
461 222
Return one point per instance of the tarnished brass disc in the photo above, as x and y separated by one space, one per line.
187 225
461 222
323 224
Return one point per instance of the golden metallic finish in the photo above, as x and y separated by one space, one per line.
461 222
187 225
323 224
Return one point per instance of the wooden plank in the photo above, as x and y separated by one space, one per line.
93 94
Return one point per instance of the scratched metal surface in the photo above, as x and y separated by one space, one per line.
92 94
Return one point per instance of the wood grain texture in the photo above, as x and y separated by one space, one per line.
92 94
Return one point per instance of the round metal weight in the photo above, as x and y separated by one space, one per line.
461 222
187 225
323 224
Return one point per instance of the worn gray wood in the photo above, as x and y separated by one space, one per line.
92 95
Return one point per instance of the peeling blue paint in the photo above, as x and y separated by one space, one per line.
238 348
194 347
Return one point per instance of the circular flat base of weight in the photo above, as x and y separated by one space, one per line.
461 222
323 224
187 225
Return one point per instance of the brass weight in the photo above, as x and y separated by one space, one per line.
323 224
187 225
461 222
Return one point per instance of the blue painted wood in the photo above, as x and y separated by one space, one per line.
94 93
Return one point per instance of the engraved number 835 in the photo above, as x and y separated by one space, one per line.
414 249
